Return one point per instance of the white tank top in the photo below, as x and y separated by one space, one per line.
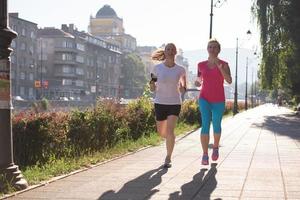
167 85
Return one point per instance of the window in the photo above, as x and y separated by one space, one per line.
31 76
32 35
23 32
79 83
66 69
80 47
22 91
66 56
15 28
66 82
13 44
44 57
80 59
22 75
79 71
13 59
12 74
23 46
31 50
67 44
30 92
44 70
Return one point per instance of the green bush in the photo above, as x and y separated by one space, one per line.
140 117
42 137
190 112
39 136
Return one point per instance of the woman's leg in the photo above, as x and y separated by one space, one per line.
162 128
170 139
161 120
204 107
217 114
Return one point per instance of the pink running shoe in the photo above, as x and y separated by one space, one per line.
205 159
215 154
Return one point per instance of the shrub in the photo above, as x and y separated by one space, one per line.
39 136
189 112
140 117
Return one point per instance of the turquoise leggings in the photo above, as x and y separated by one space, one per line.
211 112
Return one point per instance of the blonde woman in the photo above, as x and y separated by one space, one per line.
211 75
168 82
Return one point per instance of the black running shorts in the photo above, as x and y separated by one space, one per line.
163 111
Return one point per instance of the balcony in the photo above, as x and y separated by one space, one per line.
65 49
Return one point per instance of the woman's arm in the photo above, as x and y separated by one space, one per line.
225 70
182 84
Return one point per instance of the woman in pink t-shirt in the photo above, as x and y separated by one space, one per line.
211 75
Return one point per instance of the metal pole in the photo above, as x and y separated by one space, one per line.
8 169
252 90
246 89
235 103
41 43
211 18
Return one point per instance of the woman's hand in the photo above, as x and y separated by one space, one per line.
197 83
225 70
182 88
220 66
152 86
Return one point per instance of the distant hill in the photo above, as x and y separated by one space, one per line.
229 55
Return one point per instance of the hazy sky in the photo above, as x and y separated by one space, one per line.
152 23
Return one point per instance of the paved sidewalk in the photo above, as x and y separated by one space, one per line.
259 159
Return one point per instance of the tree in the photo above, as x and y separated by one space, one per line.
133 76
279 22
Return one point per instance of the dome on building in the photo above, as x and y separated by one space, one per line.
106 11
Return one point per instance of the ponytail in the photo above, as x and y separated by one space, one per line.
158 55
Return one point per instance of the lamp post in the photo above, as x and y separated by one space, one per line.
211 18
235 103
246 89
252 90
211 15
41 65
8 169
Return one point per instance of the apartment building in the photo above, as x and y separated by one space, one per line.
24 66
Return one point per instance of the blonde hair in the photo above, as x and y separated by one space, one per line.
214 40
159 54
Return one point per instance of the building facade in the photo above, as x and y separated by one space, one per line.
106 24
76 65
24 57
145 53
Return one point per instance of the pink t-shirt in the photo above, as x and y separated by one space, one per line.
212 82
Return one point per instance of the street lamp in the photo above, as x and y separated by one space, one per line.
235 101
211 15
8 169
252 90
246 89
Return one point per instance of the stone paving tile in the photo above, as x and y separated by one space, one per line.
293 194
262 194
